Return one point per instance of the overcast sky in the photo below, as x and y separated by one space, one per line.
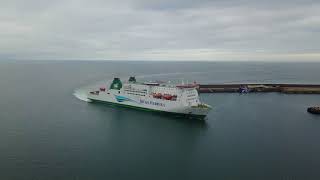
272 30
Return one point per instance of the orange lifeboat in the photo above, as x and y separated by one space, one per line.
167 97
157 95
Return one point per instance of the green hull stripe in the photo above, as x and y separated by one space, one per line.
150 110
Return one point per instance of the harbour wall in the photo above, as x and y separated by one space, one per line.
281 88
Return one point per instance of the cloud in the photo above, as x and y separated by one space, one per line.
160 30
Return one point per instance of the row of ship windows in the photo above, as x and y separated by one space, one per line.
132 91
191 99
136 94
190 92
165 89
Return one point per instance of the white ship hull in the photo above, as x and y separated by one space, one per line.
156 97
148 103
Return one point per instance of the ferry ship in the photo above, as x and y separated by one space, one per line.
153 96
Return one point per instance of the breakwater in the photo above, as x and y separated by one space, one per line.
282 88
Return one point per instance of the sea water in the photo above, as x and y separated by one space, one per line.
48 133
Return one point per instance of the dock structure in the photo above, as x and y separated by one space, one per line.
282 88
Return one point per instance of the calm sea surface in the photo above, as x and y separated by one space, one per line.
47 133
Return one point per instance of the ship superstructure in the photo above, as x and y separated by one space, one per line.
153 96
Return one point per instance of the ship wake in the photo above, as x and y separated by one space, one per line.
82 95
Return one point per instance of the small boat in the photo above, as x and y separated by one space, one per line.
243 89
314 110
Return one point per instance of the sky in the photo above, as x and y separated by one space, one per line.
177 30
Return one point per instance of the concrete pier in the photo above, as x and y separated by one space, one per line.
282 88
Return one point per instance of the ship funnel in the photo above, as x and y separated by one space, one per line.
132 79
116 84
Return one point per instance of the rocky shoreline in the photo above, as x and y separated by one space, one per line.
314 110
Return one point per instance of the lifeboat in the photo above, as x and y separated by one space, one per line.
167 97
157 95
